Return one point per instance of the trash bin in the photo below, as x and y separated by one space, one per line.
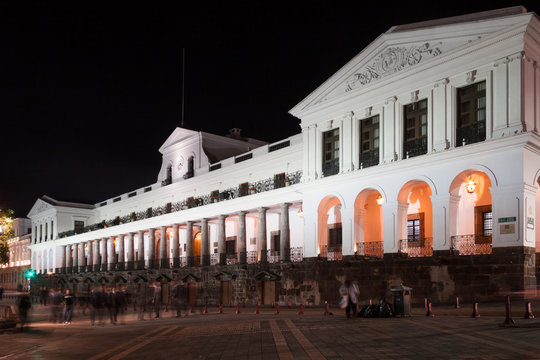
402 300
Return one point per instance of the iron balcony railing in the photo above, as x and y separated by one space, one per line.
370 249
415 147
369 158
331 253
227 194
416 247
470 245
330 168
471 134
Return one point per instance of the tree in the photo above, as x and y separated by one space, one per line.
6 232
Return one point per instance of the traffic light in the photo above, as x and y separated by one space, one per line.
30 273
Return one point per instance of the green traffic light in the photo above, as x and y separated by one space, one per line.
30 273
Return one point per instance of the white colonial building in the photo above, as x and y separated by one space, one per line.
424 145
12 274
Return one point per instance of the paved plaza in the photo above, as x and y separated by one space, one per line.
450 334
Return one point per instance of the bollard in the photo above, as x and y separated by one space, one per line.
273 305
289 304
238 309
257 308
277 309
528 311
205 308
220 308
191 310
425 303
134 306
475 313
508 320
166 310
307 304
429 312
457 302
301 312
326 308
370 302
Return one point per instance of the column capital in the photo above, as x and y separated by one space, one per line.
175 227
222 217
241 213
262 209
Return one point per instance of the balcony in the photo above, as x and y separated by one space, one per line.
369 158
331 252
415 147
470 245
372 249
417 247
330 168
471 134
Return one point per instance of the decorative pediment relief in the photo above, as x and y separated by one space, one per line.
39 207
390 61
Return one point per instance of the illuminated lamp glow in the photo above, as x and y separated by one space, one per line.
470 186
300 212
380 199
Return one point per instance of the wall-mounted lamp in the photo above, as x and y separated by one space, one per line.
380 199
470 186
114 242
300 212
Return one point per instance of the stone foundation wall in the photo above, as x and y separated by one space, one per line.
440 278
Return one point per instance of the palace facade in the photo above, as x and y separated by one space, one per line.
418 162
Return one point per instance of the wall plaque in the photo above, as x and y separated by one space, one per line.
507 229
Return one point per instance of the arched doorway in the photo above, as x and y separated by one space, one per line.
415 219
329 228
471 215
368 224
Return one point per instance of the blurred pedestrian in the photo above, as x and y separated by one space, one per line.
109 301
349 292
120 304
55 299
97 303
24 306
68 307
179 295
157 299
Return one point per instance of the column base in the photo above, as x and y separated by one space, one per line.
165 263
222 259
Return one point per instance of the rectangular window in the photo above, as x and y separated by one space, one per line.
487 223
78 226
244 189
415 227
52 229
471 114
279 181
415 129
275 240
334 235
369 141
330 152
230 245
483 221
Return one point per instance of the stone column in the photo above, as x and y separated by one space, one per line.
130 252
205 243
241 248
163 257
90 259
152 249
284 241
262 246
121 259
175 247
75 267
64 258
189 243
140 250
222 251
69 259
95 255
82 258
111 254
103 246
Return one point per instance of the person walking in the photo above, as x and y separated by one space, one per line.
349 293
24 306
157 299
68 307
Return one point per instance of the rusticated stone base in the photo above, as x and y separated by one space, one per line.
440 278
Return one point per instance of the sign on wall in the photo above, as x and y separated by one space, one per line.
530 223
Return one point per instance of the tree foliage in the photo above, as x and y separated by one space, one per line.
6 232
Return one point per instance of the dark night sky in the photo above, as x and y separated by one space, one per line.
89 93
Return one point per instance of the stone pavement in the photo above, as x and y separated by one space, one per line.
450 334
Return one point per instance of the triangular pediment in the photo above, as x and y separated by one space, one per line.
39 207
177 136
408 47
